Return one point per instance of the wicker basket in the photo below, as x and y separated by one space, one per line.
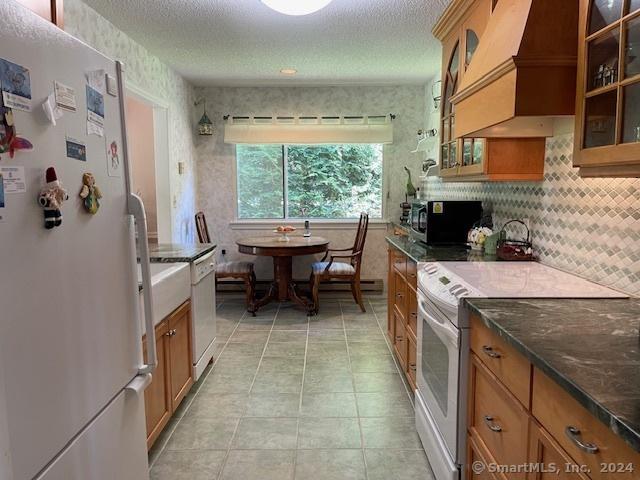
514 250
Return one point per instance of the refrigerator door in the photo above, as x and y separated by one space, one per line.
112 447
70 337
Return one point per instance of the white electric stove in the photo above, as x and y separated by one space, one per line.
443 341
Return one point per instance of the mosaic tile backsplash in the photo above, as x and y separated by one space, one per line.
590 227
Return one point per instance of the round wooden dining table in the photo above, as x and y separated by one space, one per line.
283 288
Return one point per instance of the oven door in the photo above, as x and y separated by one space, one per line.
438 370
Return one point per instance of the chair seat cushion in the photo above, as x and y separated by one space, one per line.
228 268
337 268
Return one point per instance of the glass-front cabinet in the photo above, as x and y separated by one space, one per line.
459 156
607 139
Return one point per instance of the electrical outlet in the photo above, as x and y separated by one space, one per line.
224 251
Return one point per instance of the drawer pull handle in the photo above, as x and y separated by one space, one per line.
490 352
412 367
399 338
494 427
573 433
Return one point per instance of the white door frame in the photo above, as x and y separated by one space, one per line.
161 147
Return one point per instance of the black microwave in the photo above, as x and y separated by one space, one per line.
444 222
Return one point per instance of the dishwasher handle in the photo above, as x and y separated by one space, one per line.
137 210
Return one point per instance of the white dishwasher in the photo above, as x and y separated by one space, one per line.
203 311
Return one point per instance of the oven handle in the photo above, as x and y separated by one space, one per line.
445 328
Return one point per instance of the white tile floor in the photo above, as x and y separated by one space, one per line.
296 397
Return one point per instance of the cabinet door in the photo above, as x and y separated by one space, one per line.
411 361
391 296
400 295
412 316
451 65
478 461
607 137
400 341
545 452
48 9
497 418
180 357
157 396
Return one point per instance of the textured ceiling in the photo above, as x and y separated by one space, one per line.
243 42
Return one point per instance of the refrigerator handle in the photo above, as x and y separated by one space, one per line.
137 210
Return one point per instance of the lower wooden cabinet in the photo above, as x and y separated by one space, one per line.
478 462
402 308
518 416
400 339
497 418
157 396
591 443
180 358
173 377
545 451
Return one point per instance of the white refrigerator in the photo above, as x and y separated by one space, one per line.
72 375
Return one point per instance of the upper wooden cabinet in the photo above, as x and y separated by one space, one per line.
523 69
48 9
607 138
461 30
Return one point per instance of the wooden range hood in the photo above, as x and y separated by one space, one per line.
523 72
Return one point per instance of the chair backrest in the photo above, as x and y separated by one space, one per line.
361 236
201 227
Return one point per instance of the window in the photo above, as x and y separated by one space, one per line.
309 181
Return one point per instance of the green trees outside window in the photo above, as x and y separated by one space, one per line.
309 181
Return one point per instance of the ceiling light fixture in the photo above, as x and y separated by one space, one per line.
289 72
299 7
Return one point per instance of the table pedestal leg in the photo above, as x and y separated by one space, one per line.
282 273
283 288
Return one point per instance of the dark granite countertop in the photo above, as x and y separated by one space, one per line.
174 252
591 348
420 252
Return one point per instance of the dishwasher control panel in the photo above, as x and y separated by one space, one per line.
202 267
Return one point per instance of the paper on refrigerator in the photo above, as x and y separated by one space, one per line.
95 112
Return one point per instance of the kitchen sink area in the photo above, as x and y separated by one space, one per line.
171 285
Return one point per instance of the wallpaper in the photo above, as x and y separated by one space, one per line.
149 74
216 177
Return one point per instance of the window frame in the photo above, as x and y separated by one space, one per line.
259 223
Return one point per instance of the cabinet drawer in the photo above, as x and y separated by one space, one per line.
497 418
545 451
557 411
412 273
477 453
412 313
513 369
400 340
400 288
400 262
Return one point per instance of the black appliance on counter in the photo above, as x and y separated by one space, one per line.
444 222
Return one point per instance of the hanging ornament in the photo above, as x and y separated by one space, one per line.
90 193
50 199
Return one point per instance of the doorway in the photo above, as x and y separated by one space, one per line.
147 132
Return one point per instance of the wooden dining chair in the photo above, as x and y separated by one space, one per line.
238 270
327 270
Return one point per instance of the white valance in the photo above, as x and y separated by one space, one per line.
309 130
